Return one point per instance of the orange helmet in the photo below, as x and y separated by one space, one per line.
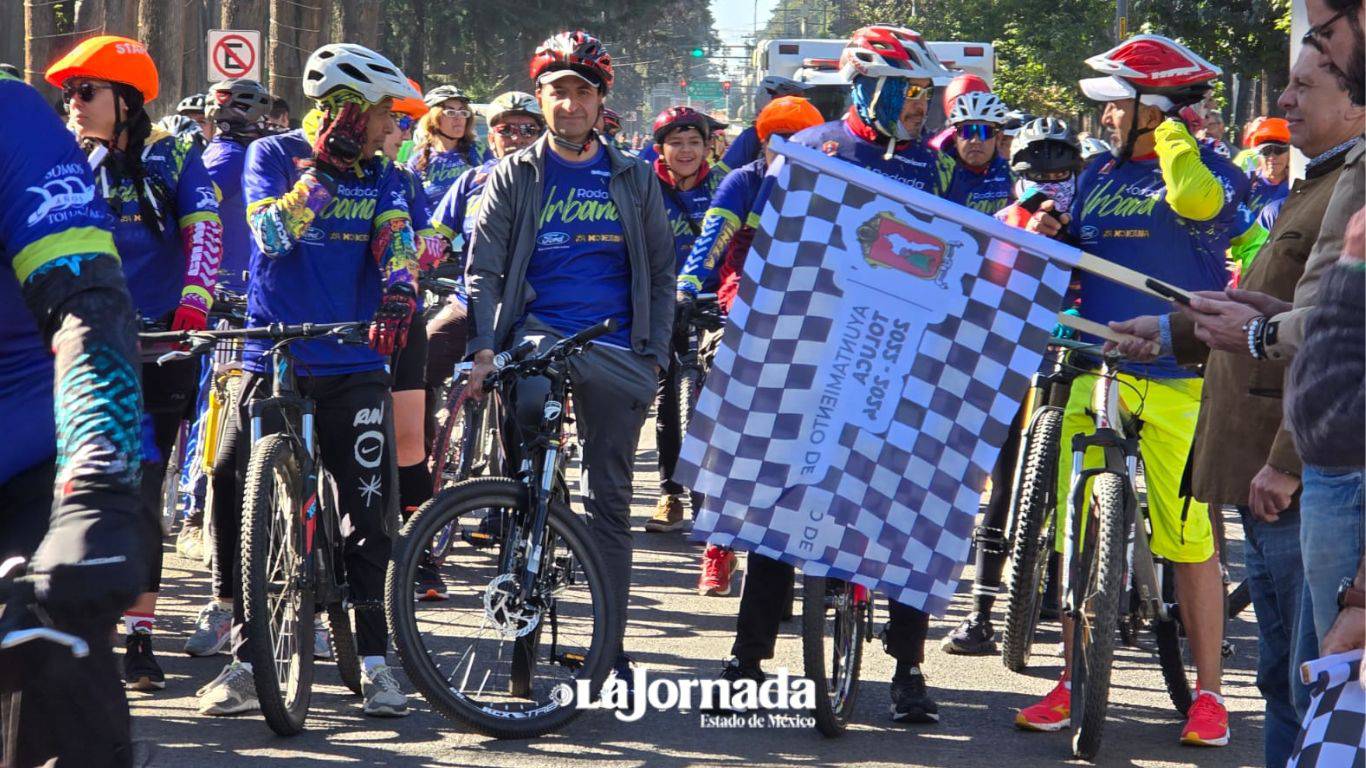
411 106
109 57
787 115
1271 129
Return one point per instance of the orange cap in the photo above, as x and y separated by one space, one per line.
412 106
1271 129
787 115
109 57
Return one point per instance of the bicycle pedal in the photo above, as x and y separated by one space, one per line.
571 661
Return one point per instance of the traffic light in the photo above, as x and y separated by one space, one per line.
725 86
697 52
682 83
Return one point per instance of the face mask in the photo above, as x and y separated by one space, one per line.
1060 192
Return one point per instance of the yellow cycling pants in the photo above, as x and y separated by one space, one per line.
1167 409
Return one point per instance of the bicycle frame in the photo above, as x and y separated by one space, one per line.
547 442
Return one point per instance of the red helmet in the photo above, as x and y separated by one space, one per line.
578 53
885 51
960 85
674 118
1166 72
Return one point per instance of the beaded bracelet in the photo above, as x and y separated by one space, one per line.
1255 343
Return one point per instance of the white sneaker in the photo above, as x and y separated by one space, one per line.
382 695
212 630
322 640
232 692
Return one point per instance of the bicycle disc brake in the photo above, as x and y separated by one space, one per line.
505 611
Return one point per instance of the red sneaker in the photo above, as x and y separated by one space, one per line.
717 566
1206 723
1053 713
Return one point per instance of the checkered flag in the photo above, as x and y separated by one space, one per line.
880 345
1333 734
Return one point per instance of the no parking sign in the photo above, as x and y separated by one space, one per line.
234 53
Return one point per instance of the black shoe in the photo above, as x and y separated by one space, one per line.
911 702
974 637
429 585
141 672
735 671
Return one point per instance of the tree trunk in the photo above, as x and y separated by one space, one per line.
40 37
417 63
359 22
243 14
161 29
195 45
12 34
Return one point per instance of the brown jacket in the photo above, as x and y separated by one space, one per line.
1240 408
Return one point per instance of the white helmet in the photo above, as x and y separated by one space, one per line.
978 106
511 102
1091 147
886 51
356 68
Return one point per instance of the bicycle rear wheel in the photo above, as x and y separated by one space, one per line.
1035 516
483 657
1100 573
834 628
277 597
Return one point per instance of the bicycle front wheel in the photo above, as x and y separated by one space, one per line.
834 627
1033 539
1173 650
1095 625
508 667
277 599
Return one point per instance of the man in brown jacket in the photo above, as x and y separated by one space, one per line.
1243 455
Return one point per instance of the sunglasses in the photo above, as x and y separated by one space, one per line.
521 129
404 122
976 132
1272 150
86 91
1312 35
916 92
453 112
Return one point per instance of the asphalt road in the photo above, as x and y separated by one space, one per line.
674 632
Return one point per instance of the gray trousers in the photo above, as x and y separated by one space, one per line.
611 392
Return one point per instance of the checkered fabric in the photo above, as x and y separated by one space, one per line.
1333 734
894 509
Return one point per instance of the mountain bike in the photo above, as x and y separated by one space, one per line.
837 619
528 627
694 360
292 542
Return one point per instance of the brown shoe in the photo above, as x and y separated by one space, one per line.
668 515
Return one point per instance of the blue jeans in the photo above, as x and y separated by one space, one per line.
1275 579
1331 530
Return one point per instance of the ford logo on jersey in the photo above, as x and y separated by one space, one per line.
1089 233
313 236
552 238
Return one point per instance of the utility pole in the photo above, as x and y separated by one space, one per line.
1121 19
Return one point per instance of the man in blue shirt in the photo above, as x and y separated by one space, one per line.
981 178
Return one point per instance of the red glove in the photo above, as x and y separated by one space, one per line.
339 143
389 332
189 318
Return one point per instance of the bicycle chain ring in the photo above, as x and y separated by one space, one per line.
504 612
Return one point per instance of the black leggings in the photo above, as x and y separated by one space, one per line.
169 392
668 435
768 583
351 439
991 534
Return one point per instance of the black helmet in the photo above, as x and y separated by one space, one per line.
1045 145
778 86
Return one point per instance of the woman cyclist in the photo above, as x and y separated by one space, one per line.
170 242
445 145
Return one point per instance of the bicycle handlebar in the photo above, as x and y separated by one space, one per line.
518 362
202 342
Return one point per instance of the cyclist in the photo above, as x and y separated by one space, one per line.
1166 206
68 342
609 127
1270 180
237 108
445 145
1015 119
572 231
332 241
1046 157
747 146
180 127
981 178
407 113
717 256
681 135
169 238
195 107
962 84
891 71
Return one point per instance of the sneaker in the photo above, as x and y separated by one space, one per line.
382 695
974 637
322 639
212 630
189 543
735 671
429 584
717 567
1053 713
231 693
668 515
141 672
911 701
1206 723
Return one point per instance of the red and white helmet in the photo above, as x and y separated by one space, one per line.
886 51
577 53
1166 72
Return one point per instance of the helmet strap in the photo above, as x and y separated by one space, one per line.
576 147
1132 136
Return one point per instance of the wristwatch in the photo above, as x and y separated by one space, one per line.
1349 595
